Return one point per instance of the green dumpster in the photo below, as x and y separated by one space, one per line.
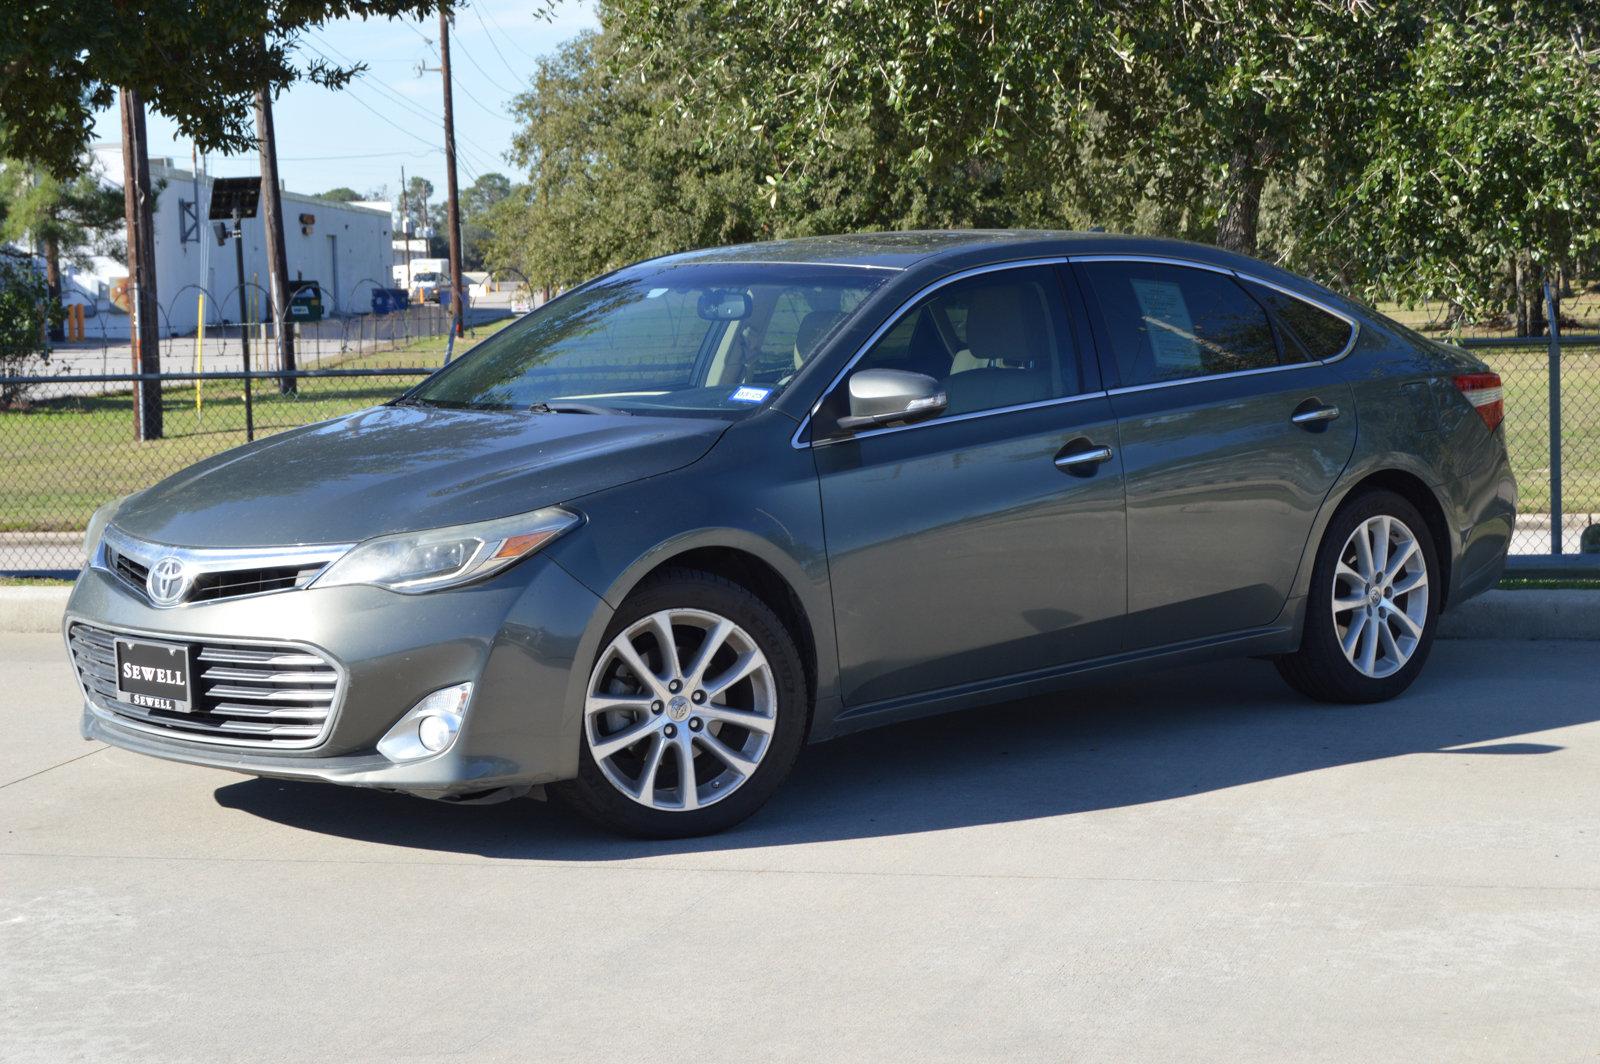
305 301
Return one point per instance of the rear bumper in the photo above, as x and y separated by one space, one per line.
515 639
1484 521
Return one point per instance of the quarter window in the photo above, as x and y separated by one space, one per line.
994 340
1321 334
1164 322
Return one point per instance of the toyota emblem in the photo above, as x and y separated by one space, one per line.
167 581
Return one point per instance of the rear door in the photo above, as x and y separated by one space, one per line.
963 548
1232 434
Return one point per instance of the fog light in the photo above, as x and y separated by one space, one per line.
429 727
435 733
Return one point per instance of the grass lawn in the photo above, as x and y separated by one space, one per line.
63 457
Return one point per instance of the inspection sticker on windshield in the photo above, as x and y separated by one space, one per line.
749 394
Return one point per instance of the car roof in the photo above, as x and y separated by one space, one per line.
928 252
903 249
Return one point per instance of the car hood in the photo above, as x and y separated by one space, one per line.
402 468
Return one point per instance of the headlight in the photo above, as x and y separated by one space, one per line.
414 562
98 522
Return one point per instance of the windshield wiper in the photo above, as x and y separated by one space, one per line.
565 407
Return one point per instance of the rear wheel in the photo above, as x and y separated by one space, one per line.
694 712
1373 604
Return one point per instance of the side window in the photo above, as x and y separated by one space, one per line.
1320 334
1165 322
995 340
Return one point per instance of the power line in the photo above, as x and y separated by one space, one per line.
482 71
504 34
355 155
393 94
514 73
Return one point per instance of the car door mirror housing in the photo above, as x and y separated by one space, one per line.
882 397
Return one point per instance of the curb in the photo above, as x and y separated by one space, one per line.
1569 614
1492 615
32 609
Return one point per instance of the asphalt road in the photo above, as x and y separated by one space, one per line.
1194 866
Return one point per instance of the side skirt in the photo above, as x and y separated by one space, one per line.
1255 642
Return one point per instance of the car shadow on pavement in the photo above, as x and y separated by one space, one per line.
1151 739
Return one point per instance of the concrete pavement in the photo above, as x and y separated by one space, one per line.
1195 866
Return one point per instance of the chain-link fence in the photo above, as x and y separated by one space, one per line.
1556 459
70 437
68 427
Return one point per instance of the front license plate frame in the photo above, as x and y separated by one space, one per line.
152 675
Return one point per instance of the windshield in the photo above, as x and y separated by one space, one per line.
693 338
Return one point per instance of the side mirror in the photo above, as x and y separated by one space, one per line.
880 397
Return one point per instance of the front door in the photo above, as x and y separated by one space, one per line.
1232 435
970 547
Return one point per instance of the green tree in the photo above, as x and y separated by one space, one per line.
615 174
477 201
342 194
1026 111
198 64
64 218
1477 178
25 313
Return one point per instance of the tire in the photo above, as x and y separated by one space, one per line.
758 720
1401 606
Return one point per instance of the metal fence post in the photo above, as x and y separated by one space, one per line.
1556 521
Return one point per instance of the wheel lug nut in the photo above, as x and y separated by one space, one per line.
657 706
671 731
675 686
698 697
694 724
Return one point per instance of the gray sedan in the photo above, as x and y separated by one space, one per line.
640 547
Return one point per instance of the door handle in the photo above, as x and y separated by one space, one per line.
1312 415
1087 455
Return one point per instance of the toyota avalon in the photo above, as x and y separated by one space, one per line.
641 546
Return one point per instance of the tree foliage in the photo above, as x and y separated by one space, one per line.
25 312
1415 149
198 64
72 215
1478 174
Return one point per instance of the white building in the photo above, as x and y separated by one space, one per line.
344 247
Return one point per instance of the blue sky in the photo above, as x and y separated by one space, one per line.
327 139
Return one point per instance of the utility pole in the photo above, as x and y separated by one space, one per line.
144 330
272 218
452 204
405 227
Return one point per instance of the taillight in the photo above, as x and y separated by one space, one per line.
1483 391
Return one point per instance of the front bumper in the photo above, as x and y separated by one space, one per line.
516 638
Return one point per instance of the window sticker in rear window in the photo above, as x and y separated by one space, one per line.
1168 324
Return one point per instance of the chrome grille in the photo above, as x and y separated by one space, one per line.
214 573
244 694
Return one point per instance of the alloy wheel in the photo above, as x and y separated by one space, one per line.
680 709
1380 596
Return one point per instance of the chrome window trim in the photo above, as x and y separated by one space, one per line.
789 262
1064 400
111 716
798 441
203 560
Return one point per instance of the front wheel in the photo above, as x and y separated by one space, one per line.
1373 604
695 710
